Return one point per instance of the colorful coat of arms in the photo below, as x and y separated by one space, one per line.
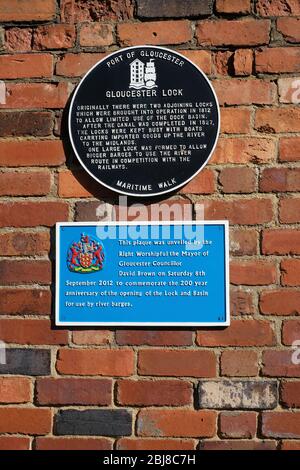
86 255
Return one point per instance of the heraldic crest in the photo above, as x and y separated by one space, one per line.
86 255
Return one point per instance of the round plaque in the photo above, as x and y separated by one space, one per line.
144 121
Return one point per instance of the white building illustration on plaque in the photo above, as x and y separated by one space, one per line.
142 76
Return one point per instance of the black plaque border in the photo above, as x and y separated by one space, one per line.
173 189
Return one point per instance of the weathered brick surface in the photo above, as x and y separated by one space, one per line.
26 362
137 388
54 37
279 364
238 425
280 302
20 301
26 123
154 32
237 394
233 33
21 10
239 363
177 423
174 9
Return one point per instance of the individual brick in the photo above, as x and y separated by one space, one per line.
281 242
17 420
252 273
29 123
154 393
290 332
96 35
280 302
235 120
289 210
290 272
176 423
32 214
25 271
50 391
289 28
238 180
15 153
280 179
202 183
93 422
19 301
114 362
277 60
127 443
239 363
241 302
155 32
237 91
19 243
289 90
21 10
34 183
31 331
15 390
243 62
36 95
277 120
283 424
237 425
77 12
54 36
237 211
290 394
278 363
76 443
232 394
175 363
244 150
14 443
240 333
175 9
289 149
233 6
75 65
26 66
92 337
275 8
154 338
235 444
248 32
202 59
243 242
26 362
18 39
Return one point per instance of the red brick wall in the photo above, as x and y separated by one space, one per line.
235 388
